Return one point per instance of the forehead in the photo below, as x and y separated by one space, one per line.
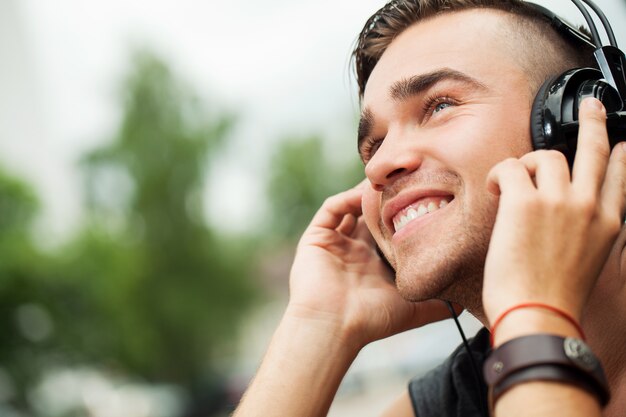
466 41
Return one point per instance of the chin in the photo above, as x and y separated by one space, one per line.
451 271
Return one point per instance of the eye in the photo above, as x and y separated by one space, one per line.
436 104
441 106
369 148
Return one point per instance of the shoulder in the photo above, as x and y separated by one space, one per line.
454 388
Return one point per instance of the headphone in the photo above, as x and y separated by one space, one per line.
554 116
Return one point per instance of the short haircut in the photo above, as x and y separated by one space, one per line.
544 51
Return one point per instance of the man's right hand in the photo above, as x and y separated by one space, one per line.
342 297
339 280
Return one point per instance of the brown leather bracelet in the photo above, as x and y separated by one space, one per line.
555 373
545 351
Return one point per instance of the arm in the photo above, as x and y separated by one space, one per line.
551 238
402 407
342 297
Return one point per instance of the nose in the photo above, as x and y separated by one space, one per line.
392 161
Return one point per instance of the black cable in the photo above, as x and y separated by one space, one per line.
592 26
605 22
477 374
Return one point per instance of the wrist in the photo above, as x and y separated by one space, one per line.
327 328
302 368
528 321
545 358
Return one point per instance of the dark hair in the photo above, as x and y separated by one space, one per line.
527 23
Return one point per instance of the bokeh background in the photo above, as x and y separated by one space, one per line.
158 161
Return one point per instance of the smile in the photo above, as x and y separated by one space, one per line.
419 209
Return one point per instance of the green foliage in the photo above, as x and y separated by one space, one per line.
18 206
164 290
301 178
23 286
146 288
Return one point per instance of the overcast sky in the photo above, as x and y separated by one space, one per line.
283 65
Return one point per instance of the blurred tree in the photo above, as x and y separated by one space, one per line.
24 321
149 289
302 176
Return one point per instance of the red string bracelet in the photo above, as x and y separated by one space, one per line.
553 309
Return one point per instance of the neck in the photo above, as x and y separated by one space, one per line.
604 323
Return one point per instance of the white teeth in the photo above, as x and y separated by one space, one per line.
412 213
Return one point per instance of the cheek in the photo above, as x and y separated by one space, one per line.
371 211
489 139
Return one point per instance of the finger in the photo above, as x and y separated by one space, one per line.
347 225
549 169
332 212
507 176
593 150
614 189
362 232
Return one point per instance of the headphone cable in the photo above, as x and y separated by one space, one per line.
477 374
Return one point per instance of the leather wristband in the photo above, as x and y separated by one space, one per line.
554 358
555 373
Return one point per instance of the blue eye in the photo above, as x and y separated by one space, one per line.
441 106
437 103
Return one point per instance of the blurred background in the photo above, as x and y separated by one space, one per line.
158 161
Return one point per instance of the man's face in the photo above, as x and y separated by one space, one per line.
442 106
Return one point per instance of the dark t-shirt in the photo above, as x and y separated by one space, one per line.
452 389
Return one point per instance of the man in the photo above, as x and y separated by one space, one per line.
463 211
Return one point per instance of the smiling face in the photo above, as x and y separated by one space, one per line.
443 105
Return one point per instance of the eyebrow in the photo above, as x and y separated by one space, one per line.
366 124
410 87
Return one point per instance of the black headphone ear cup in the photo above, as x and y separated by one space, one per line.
536 116
602 91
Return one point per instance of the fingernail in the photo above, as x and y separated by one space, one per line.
593 104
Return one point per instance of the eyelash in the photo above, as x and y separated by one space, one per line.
371 145
369 148
431 102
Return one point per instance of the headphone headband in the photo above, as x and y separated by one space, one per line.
554 117
563 27
610 59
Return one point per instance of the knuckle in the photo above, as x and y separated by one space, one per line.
587 205
614 226
509 163
556 157
333 200
503 166
550 157
611 222
555 203
328 202
530 204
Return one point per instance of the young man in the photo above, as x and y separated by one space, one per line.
463 211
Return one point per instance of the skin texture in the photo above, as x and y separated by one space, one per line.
450 151
554 238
